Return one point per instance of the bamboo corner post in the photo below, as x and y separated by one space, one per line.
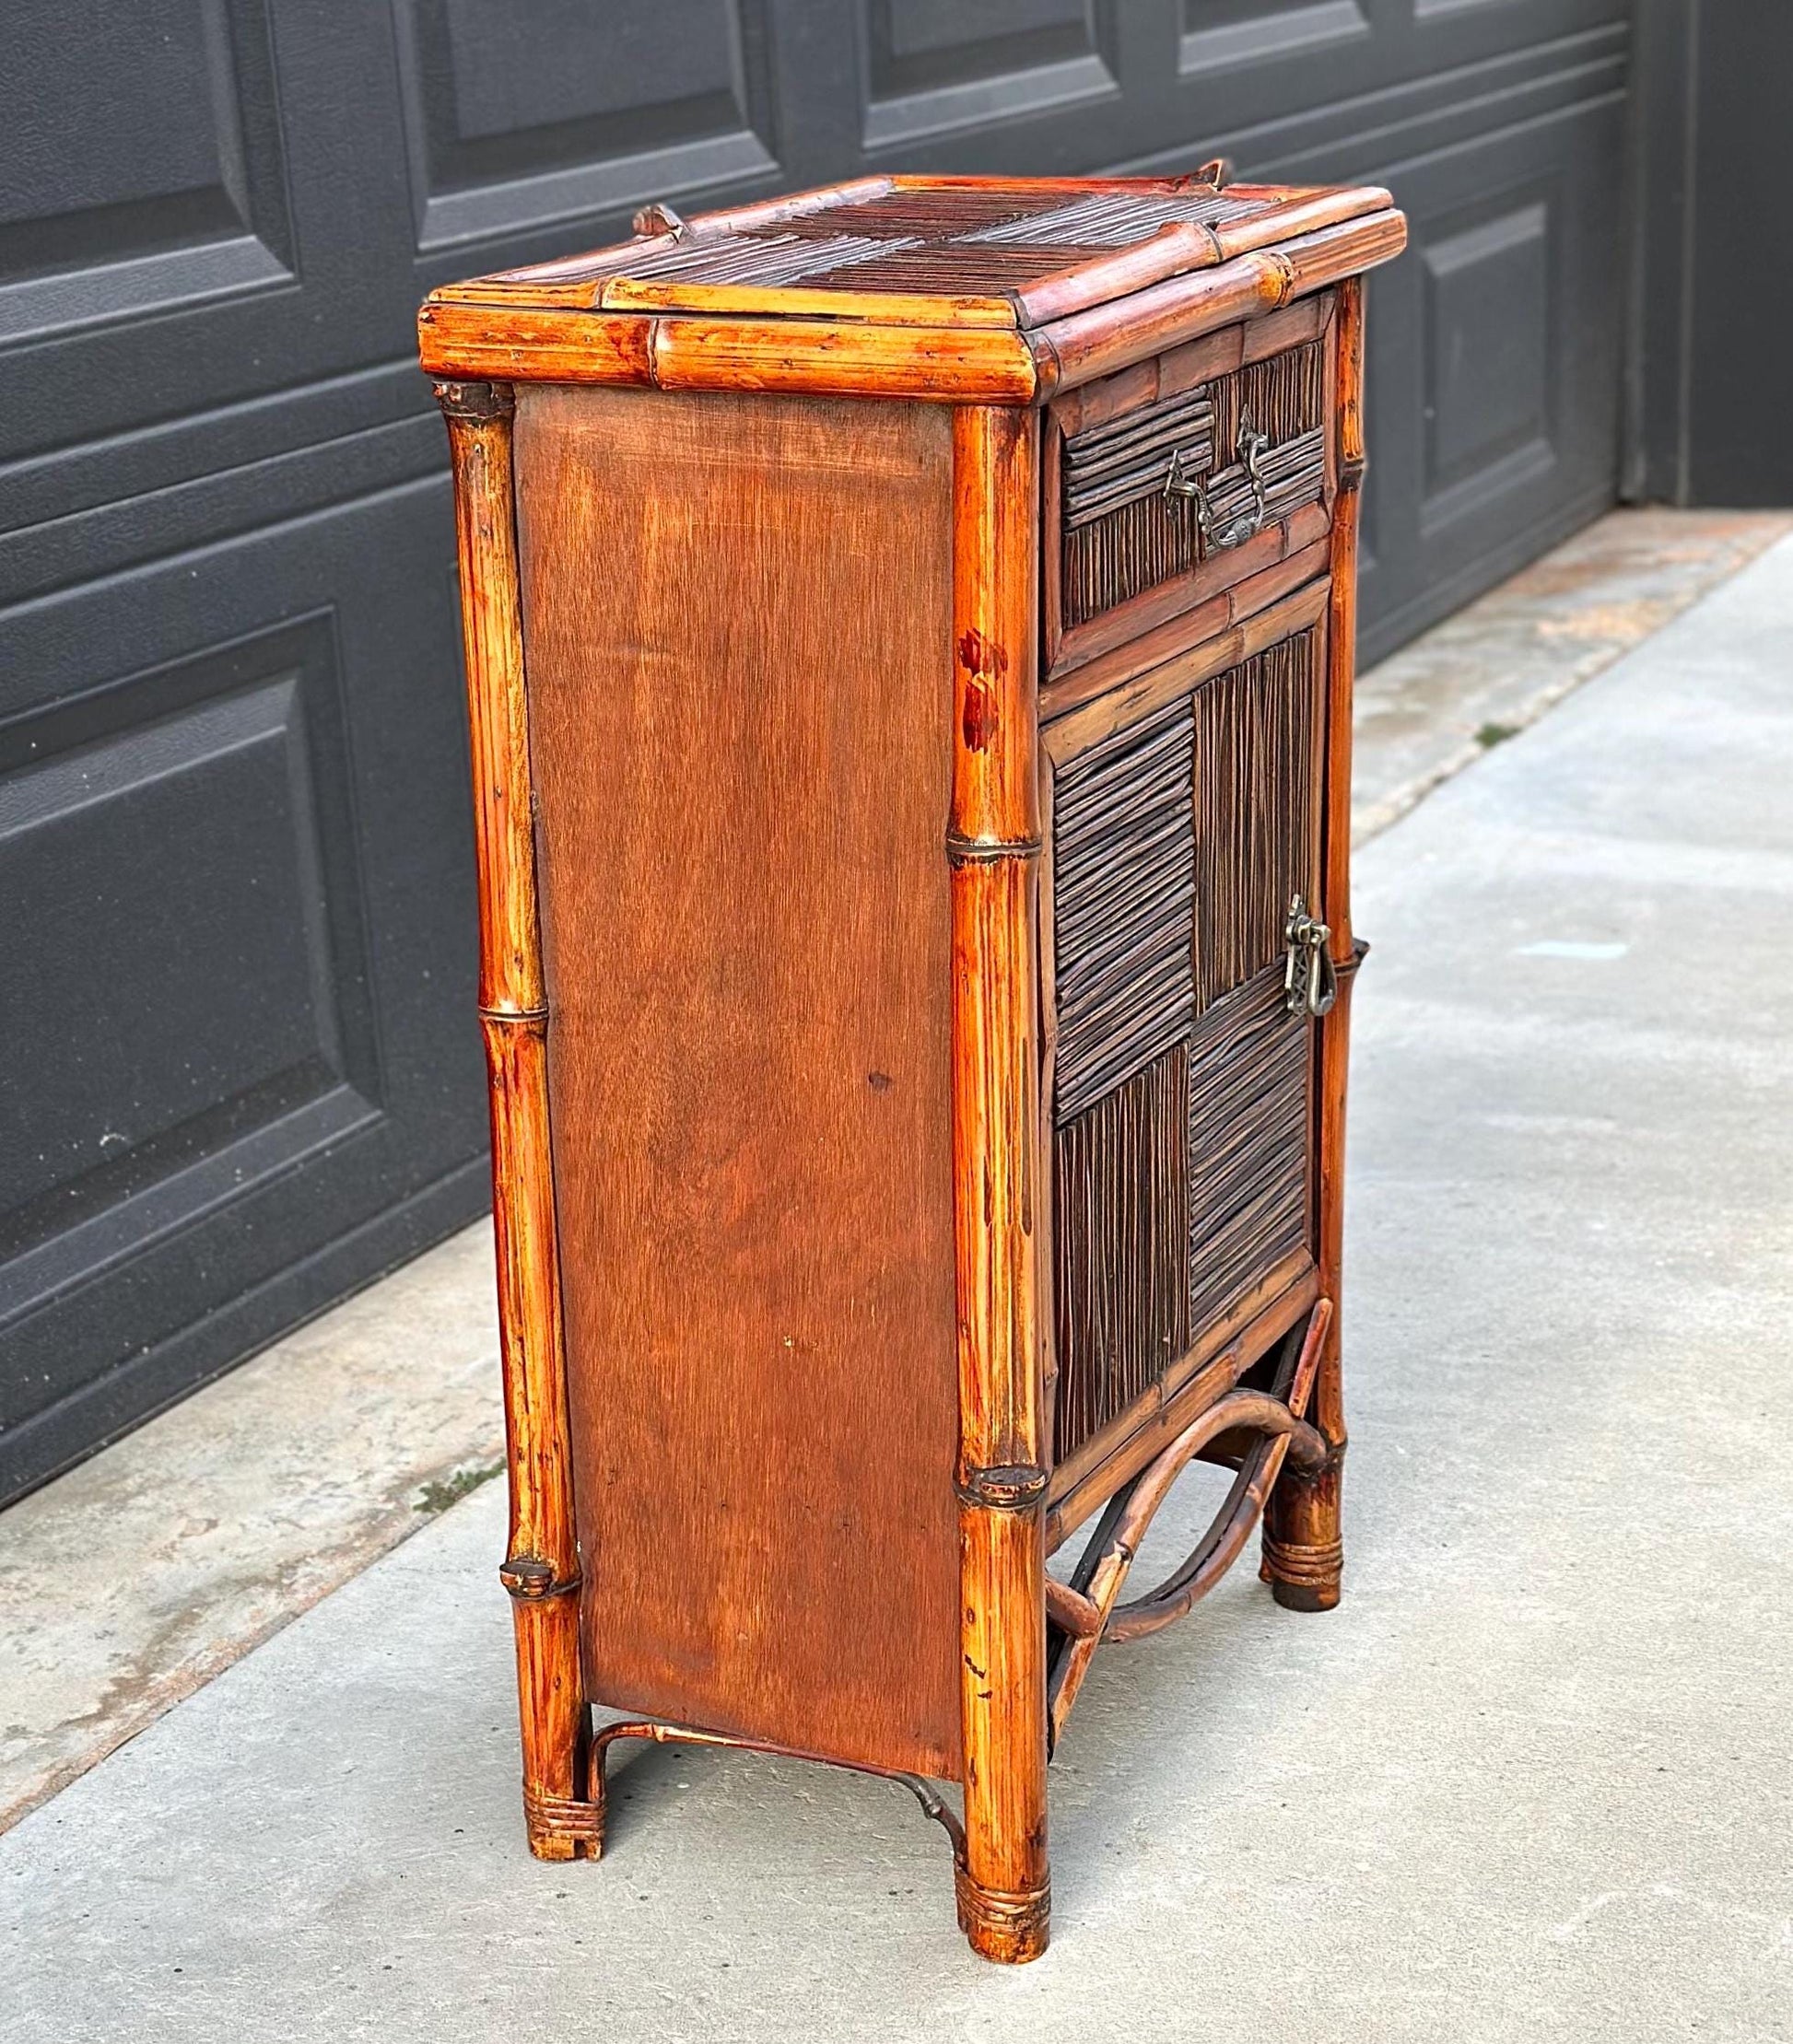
541 1569
909 704
995 843
1303 1537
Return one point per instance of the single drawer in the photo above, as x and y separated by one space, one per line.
1179 479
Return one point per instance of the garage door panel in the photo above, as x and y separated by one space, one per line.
520 114
1245 63
150 172
933 67
208 200
226 591
242 868
1494 373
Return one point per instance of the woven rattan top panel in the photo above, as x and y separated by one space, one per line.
951 251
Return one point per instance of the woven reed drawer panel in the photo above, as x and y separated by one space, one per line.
909 636
1204 470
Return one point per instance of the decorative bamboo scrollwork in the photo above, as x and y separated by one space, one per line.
1088 1610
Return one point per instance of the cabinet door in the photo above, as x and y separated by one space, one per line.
1185 836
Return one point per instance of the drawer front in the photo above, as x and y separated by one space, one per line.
1176 479
1183 828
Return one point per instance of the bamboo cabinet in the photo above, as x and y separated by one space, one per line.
908 646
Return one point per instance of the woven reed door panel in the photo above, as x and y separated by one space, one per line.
1181 1082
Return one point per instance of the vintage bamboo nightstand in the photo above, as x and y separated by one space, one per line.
908 635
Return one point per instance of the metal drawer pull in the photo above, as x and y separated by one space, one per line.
1252 448
1312 979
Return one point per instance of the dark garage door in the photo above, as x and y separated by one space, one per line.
241 1073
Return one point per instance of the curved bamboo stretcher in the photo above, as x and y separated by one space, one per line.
1088 1610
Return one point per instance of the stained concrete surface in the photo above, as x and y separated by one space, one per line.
1530 1782
194 1539
1499 663
132 1580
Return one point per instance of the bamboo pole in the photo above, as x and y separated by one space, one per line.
1304 1554
541 1570
1003 1885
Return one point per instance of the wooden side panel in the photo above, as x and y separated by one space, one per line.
737 614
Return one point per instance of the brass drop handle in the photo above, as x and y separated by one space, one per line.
1310 980
1215 539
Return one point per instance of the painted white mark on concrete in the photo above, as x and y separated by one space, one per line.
1567 947
1562 1932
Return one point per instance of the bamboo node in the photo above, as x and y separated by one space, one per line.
563 1816
1003 1487
984 851
475 402
1304 1567
1048 369
1007 1925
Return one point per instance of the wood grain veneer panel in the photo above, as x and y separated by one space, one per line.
737 622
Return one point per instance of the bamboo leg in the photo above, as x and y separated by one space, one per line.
1303 1548
1303 1544
541 1570
1003 1889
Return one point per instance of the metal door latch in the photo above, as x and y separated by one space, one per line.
1311 980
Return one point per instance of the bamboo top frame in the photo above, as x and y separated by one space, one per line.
960 291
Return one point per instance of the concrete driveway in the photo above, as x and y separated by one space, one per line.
1530 1782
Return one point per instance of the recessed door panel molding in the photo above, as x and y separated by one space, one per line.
1492 353
1494 360
195 924
1351 64
1222 35
241 869
520 113
213 209
934 66
145 174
